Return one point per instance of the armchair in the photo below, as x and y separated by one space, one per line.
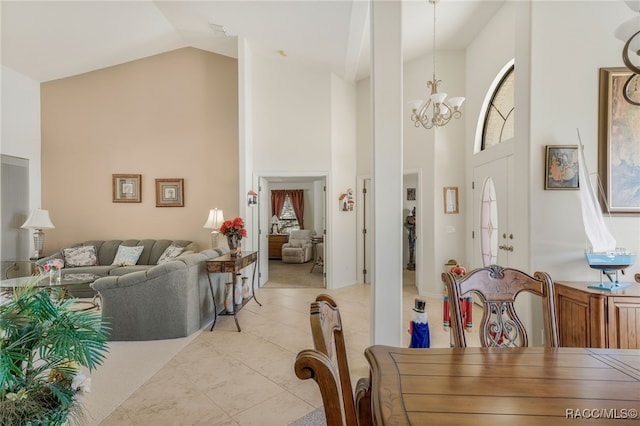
299 247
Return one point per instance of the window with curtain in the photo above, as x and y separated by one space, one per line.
288 219
288 206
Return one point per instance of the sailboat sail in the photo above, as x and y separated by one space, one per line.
604 255
597 232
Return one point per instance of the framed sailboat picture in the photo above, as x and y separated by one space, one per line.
618 145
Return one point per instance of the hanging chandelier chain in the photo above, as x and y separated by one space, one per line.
434 41
441 111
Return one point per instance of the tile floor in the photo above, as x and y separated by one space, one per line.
229 378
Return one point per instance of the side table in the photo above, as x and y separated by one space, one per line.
318 258
18 268
233 265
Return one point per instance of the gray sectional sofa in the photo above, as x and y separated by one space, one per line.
147 301
106 252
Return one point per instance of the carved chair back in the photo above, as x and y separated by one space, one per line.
328 341
497 289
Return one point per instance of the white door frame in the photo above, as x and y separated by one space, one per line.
264 254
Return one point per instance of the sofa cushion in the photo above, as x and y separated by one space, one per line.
123 270
170 253
127 256
160 246
102 271
80 256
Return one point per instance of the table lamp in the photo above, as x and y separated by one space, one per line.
38 220
214 221
275 224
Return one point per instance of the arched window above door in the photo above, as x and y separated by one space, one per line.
499 117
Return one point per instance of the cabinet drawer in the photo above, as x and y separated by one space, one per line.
275 245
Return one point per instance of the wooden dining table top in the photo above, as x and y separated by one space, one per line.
504 386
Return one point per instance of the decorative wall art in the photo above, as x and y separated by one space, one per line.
169 192
561 167
346 201
450 199
618 145
252 198
126 188
411 194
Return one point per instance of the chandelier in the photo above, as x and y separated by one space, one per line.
629 32
441 112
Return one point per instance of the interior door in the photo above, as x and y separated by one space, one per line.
366 230
493 241
264 204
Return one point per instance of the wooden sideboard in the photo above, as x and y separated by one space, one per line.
592 318
275 245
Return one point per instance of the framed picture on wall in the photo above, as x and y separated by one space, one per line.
126 188
450 200
561 167
169 192
618 144
411 194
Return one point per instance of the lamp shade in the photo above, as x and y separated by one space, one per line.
38 219
633 5
215 219
438 98
415 105
456 102
628 29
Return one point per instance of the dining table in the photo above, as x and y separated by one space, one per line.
504 386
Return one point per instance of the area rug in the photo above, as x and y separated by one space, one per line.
314 418
293 275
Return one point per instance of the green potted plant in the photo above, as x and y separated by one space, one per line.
43 344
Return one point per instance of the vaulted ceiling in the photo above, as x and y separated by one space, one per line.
47 40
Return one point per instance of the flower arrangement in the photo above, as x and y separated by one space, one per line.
56 264
234 228
53 268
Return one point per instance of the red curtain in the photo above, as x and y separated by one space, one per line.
297 201
277 200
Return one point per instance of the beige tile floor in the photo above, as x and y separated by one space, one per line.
229 378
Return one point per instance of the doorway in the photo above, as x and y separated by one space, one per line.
276 230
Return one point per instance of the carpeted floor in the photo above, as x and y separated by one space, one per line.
294 275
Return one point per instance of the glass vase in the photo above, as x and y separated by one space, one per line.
228 297
237 292
235 249
246 293
55 276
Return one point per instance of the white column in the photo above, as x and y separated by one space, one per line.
386 99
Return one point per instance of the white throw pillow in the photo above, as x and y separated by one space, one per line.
170 253
127 256
80 256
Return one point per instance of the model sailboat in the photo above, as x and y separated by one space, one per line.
603 255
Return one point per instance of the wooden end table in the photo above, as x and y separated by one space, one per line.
233 265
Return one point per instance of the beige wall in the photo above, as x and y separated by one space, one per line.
173 115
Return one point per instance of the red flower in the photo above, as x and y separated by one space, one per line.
234 227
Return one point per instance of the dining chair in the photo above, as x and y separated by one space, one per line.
497 289
327 364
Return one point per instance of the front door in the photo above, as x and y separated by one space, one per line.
493 239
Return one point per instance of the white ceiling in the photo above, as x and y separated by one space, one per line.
47 40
